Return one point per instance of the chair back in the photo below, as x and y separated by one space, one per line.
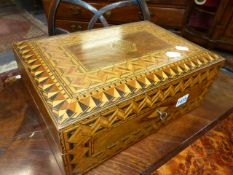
97 14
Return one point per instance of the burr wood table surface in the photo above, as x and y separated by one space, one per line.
25 151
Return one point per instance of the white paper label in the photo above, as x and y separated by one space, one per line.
182 100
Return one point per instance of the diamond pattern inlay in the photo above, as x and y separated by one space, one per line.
73 93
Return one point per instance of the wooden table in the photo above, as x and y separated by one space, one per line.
25 151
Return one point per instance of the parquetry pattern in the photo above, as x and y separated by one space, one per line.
80 138
66 108
73 94
90 107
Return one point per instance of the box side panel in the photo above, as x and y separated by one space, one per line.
101 136
49 129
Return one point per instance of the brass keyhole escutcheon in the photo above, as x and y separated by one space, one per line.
108 14
162 115
76 27
76 11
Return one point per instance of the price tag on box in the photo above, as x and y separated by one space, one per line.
182 100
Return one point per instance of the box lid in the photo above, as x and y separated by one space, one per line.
80 74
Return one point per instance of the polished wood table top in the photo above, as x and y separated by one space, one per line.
25 151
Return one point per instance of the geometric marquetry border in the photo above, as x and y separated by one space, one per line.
66 109
77 139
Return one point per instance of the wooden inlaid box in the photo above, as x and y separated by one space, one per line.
100 91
